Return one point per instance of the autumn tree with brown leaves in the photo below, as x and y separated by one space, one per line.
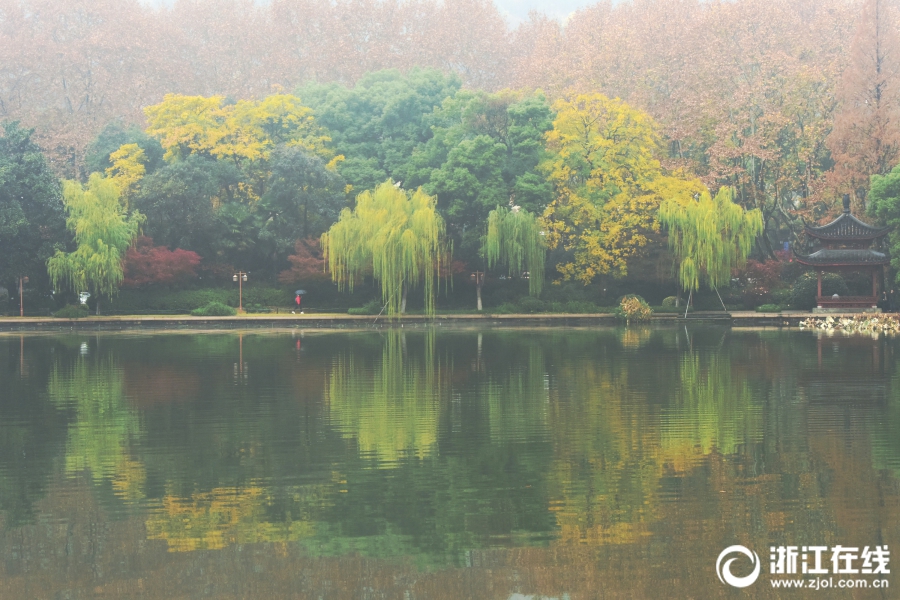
866 136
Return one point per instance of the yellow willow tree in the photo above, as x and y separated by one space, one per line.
397 234
103 232
514 238
710 236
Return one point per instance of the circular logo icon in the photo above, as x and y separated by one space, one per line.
724 570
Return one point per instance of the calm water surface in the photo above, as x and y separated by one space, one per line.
416 464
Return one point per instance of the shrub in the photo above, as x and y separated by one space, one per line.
803 293
530 304
71 312
581 307
633 308
768 308
669 301
372 307
507 308
214 309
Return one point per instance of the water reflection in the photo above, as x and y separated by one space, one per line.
552 462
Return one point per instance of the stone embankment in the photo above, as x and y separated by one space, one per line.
344 321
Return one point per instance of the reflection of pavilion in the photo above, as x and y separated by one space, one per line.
846 242
862 376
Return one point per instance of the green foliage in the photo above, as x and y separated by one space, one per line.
805 289
531 305
709 236
113 137
768 308
669 301
372 307
103 233
396 234
180 202
633 308
214 309
71 311
514 239
302 199
378 123
165 301
485 152
32 215
884 204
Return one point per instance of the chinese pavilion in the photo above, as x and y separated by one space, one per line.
846 247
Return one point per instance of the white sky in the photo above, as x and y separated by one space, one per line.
517 10
514 10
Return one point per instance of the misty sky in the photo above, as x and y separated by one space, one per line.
517 10
514 10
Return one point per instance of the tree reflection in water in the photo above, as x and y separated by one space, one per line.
438 465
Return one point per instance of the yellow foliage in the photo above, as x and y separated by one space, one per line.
607 182
224 516
185 125
127 169
244 131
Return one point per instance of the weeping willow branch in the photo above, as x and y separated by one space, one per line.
398 235
514 239
710 236
103 232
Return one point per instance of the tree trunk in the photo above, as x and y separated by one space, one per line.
478 293
98 305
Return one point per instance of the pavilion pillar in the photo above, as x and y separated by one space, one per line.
819 274
874 286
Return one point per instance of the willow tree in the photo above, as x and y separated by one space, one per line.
514 238
709 236
398 235
103 232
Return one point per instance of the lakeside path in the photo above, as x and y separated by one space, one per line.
345 321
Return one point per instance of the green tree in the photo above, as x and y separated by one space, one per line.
377 124
303 198
113 137
884 205
514 238
710 236
32 216
399 235
182 202
485 152
102 232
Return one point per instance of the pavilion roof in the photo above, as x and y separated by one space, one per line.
847 228
833 257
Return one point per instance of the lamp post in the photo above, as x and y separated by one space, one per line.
240 277
22 282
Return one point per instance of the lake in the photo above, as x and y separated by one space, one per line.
415 463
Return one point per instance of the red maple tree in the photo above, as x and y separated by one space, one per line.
307 263
146 264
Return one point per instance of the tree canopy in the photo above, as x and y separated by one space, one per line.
710 236
103 232
32 216
607 182
514 238
397 234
